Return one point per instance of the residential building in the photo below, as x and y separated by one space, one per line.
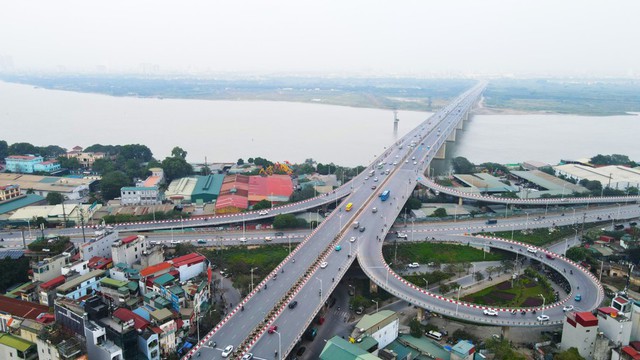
86 159
82 285
13 347
47 293
99 246
13 311
50 268
579 331
29 164
149 273
98 346
147 340
163 319
190 265
128 250
8 192
71 315
615 325
381 326
154 254
79 267
115 292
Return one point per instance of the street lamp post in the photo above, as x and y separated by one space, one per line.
543 299
279 345
252 276
458 302
317 278
426 286
29 226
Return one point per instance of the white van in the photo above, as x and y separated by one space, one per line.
434 335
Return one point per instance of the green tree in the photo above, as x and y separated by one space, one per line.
69 163
240 162
184 249
107 149
444 288
462 166
51 151
135 151
54 198
577 254
111 183
307 192
4 150
414 204
416 328
478 276
262 204
22 148
39 221
179 152
495 167
175 168
284 221
503 350
569 354
103 166
439 212
14 271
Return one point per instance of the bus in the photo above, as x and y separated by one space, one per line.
385 195
349 206
372 172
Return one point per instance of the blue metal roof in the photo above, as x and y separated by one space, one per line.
18 203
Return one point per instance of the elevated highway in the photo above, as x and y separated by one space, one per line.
538 201
304 281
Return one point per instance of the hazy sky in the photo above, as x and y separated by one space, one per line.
446 37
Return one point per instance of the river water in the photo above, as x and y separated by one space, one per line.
223 131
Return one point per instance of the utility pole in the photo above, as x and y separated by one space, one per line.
84 238
64 214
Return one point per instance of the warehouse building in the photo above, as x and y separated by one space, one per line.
613 176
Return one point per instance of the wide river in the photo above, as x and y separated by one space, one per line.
223 131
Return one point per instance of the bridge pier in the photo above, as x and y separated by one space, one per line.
505 332
373 288
460 125
452 136
420 314
460 201
441 152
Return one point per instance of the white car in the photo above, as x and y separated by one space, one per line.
406 161
543 318
352 239
324 265
567 308
532 250
375 179
247 356
402 235
415 163
243 240
366 178
227 351
264 212
175 242
413 265
490 312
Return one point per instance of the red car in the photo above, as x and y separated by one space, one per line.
272 329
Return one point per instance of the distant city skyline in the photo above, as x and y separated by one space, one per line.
355 38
